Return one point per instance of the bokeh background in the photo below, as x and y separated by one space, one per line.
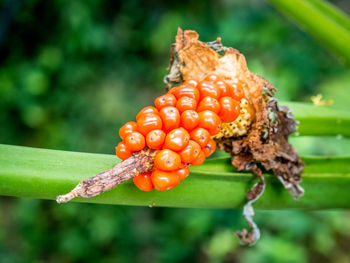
72 72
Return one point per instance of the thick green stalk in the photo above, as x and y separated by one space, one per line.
324 21
320 120
41 173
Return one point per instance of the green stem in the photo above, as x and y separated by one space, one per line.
324 21
44 174
320 121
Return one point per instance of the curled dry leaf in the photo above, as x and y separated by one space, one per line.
266 140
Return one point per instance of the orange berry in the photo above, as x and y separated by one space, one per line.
189 119
163 180
122 151
177 139
238 90
210 121
225 89
200 136
146 110
165 100
230 109
135 141
209 149
199 160
211 77
171 118
191 82
149 122
167 160
155 139
190 152
207 88
182 172
143 182
185 90
209 103
186 103
127 128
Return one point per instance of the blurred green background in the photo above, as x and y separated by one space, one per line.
72 72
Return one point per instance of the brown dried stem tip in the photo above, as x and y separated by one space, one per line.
139 162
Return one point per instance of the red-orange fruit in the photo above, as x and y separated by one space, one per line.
143 182
238 90
209 103
165 100
212 78
226 90
186 103
191 82
210 121
149 122
135 141
190 152
127 128
189 120
171 118
122 151
167 160
230 109
207 88
177 139
146 110
200 136
155 139
182 172
199 160
185 90
163 180
209 149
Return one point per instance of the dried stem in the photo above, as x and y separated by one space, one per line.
139 162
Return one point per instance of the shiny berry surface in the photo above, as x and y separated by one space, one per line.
208 89
122 151
186 103
182 172
177 139
189 120
230 109
209 148
149 122
155 139
200 136
163 180
199 160
127 128
146 110
210 121
167 160
135 141
165 100
171 118
143 182
190 152
209 103
185 90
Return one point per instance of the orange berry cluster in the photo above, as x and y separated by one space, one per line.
180 126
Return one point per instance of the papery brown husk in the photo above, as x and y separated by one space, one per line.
266 143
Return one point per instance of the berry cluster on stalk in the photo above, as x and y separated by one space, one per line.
181 127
